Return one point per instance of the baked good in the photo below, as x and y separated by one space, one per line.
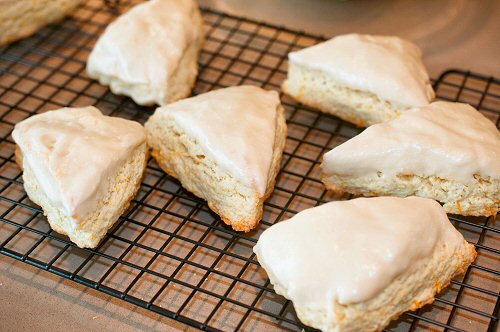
362 79
82 168
445 151
150 53
224 146
22 18
356 265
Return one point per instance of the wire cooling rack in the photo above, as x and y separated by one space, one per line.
169 253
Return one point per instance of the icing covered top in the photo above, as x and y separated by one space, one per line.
349 251
74 151
389 67
449 140
144 47
235 126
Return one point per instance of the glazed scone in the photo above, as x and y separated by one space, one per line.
362 79
224 146
82 168
445 151
22 18
150 53
356 265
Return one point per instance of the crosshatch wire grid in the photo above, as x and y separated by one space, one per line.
169 253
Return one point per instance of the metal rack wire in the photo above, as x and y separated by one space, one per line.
169 253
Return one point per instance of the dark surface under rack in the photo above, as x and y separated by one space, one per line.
169 253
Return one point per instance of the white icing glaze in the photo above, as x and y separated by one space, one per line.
74 151
349 251
143 47
389 67
235 126
449 140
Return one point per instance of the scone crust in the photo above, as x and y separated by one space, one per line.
249 220
480 199
316 89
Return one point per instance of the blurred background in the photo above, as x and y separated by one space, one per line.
452 33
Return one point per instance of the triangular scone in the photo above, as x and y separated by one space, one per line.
224 146
151 52
362 79
82 168
445 151
355 265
